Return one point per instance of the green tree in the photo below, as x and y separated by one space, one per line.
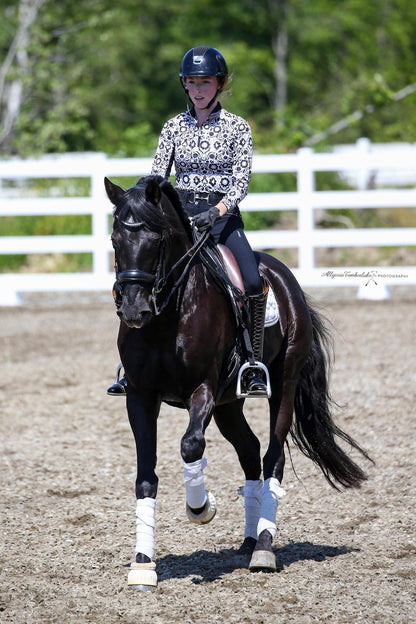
98 75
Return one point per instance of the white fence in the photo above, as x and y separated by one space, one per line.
372 282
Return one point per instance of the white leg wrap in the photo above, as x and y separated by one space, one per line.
269 501
252 492
194 483
145 526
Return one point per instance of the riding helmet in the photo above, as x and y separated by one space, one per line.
204 61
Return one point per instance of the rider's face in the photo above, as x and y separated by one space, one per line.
201 89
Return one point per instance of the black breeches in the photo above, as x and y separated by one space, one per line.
236 241
228 231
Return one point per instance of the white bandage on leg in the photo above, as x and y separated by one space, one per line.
194 483
269 501
252 491
145 526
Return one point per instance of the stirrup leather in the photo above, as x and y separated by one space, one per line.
242 389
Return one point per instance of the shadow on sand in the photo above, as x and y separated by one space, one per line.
206 566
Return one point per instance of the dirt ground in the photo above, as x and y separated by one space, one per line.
68 471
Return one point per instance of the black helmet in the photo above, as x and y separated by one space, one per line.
204 61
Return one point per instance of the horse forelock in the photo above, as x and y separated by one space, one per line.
169 193
135 209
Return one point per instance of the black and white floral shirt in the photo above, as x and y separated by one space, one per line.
216 157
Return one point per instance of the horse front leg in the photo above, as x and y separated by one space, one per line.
143 413
200 503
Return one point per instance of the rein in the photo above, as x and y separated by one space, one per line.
160 278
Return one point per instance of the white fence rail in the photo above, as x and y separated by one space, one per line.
306 200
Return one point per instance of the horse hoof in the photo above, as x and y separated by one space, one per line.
142 576
206 515
262 560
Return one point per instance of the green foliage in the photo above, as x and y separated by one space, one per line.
96 75
11 263
46 263
45 225
103 76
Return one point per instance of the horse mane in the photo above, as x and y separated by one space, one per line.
172 195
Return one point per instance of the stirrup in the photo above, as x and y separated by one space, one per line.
242 390
119 387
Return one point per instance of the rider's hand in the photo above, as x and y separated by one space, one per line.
205 220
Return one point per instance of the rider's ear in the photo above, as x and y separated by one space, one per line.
153 192
114 192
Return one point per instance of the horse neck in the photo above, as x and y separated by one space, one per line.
179 242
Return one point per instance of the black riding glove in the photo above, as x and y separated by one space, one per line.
205 220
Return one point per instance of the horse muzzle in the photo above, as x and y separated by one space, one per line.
135 309
135 320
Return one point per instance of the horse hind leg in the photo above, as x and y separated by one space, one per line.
262 557
281 414
233 426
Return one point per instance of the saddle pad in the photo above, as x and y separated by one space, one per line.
272 309
233 271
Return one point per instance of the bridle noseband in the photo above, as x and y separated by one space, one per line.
136 276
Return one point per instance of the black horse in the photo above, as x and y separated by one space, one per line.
176 334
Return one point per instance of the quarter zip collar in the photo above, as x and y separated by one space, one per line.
214 113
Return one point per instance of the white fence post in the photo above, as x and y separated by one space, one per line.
306 188
99 216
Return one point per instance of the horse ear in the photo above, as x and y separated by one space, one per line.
114 192
153 192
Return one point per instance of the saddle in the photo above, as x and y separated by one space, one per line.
221 263
229 264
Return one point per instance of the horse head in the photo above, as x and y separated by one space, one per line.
144 221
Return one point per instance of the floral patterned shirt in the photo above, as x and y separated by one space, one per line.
216 157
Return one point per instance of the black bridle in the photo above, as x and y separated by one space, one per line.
159 279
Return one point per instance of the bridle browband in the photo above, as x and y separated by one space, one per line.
160 277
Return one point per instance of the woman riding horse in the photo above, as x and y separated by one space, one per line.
212 152
177 333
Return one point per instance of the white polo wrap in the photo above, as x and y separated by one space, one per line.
194 483
145 526
269 502
252 492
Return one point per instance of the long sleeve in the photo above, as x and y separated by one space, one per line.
214 157
241 164
164 156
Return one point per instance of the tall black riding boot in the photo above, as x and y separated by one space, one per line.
256 376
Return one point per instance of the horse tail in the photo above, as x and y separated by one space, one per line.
313 430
